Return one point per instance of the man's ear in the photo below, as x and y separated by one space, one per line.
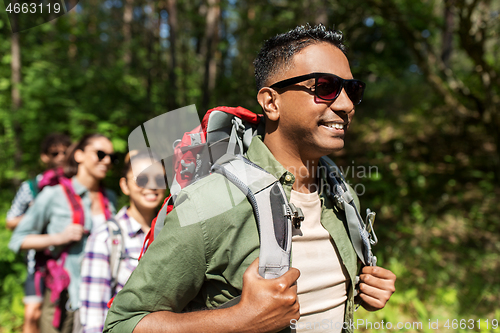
269 100
45 158
124 186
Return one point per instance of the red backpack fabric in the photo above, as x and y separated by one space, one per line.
185 162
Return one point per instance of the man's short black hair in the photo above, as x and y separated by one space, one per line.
276 53
54 139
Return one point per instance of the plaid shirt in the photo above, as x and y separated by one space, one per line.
95 287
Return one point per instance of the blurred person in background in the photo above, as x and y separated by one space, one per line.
102 278
50 225
52 153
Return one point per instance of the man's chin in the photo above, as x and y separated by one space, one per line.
335 146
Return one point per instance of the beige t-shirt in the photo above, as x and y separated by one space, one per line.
321 287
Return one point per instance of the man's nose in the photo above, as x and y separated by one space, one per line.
342 103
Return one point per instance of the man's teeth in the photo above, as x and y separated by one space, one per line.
334 125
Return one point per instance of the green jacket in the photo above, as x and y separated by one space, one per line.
208 241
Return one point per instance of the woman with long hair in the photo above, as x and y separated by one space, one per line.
101 277
58 225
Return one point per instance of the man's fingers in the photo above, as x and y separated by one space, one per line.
287 279
254 266
379 272
374 291
370 303
379 283
290 276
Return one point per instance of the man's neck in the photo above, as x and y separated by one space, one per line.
304 169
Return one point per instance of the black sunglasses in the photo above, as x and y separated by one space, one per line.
55 153
143 180
328 86
101 155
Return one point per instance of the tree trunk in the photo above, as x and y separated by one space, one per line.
72 50
127 32
173 24
15 67
210 54
447 43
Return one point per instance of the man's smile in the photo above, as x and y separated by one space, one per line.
334 125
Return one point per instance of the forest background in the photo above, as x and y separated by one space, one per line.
427 129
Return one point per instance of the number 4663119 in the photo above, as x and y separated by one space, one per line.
470 324
33 8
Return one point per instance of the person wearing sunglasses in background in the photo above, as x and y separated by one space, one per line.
308 96
52 153
146 192
49 225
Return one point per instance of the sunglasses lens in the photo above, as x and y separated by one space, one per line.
54 154
114 158
142 181
355 90
328 87
160 181
101 155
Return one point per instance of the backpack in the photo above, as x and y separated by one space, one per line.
33 184
217 146
117 251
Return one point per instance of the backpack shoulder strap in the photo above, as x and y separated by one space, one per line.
157 223
165 209
117 251
362 237
75 202
33 184
269 203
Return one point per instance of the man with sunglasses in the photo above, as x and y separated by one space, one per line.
307 94
52 153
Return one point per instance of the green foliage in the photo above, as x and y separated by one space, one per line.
12 275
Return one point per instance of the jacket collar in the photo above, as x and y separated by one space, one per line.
259 154
78 187
132 227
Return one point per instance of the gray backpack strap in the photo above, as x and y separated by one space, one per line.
235 137
362 235
269 203
117 251
160 218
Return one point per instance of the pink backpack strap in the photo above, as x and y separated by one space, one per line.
50 177
104 202
74 199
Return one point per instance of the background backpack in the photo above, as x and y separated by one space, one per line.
117 251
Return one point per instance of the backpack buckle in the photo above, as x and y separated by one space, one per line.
338 196
296 215
238 126
369 221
